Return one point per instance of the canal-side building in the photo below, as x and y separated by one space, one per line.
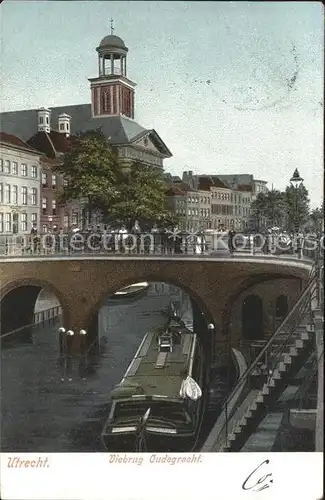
54 141
20 171
192 206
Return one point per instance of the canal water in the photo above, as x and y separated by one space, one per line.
46 408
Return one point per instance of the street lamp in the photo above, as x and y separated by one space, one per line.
296 181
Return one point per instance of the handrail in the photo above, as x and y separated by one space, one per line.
301 301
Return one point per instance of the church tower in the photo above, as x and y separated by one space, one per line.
112 93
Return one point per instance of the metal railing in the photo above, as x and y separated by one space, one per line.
168 243
269 358
47 314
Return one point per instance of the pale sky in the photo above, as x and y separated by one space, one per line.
231 87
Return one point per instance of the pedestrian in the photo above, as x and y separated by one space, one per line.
231 235
136 229
35 239
155 233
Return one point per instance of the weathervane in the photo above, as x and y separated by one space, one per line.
112 26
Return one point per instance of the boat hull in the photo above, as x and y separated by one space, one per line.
153 443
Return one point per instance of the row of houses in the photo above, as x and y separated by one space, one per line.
214 202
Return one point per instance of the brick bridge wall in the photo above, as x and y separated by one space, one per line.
217 286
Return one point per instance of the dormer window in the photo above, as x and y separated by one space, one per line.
47 120
61 126
41 120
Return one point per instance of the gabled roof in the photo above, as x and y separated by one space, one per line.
180 189
50 143
119 130
208 181
12 140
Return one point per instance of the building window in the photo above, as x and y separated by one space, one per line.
1 165
34 196
24 195
14 168
1 193
6 169
61 126
66 220
23 222
53 181
47 120
54 207
7 194
1 222
44 180
65 182
24 169
34 171
75 218
34 219
8 223
41 120
14 195
44 205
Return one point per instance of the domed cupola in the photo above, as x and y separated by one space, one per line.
112 91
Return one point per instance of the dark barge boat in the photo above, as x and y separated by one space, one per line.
165 376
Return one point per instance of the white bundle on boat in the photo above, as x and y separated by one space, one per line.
190 389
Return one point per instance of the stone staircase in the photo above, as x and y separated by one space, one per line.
287 364
257 391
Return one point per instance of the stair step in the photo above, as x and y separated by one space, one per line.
260 397
299 344
293 352
282 367
271 383
232 437
266 390
238 429
287 359
243 422
305 335
276 375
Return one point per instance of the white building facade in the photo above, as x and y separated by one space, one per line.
19 186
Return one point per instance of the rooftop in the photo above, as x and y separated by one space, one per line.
12 140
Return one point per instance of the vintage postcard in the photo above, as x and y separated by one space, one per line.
161 250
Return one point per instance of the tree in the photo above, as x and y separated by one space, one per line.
316 218
90 168
297 203
141 195
120 190
269 207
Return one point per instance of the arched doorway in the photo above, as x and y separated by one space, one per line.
281 309
252 318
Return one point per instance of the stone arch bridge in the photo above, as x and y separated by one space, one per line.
216 285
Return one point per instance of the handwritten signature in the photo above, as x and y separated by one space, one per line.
257 482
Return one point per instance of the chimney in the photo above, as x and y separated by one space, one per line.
64 124
43 120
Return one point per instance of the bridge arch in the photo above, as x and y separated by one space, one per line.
246 286
18 299
202 315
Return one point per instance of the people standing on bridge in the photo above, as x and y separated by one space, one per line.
231 236
155 233
35 239
136 229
